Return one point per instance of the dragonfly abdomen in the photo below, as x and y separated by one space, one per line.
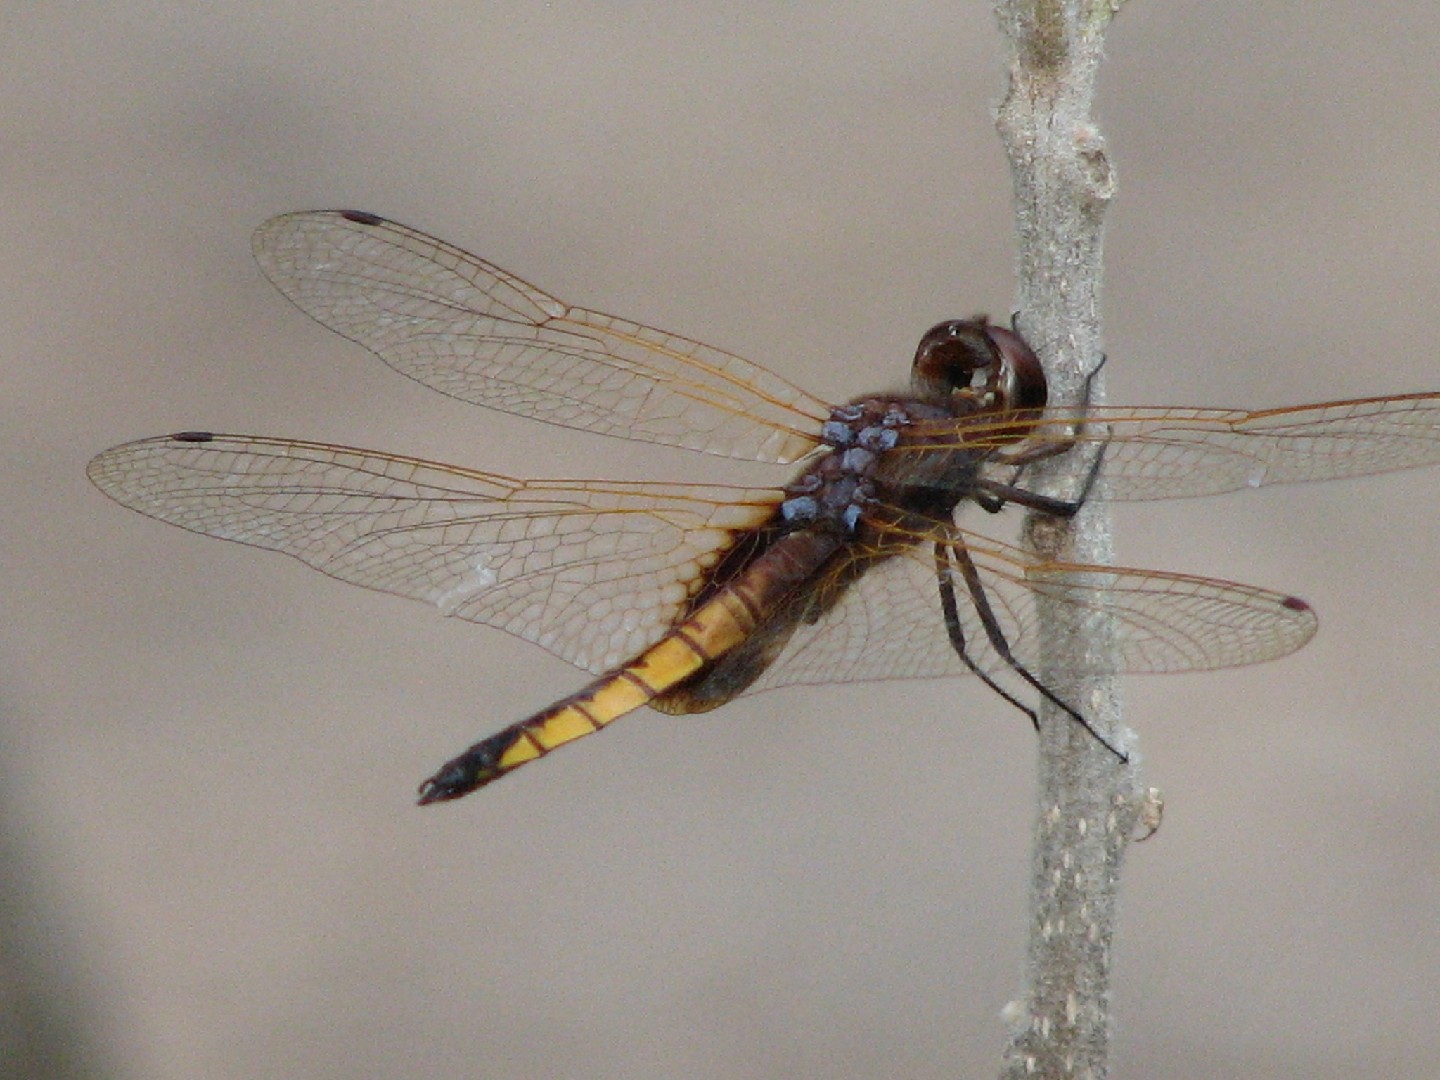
710 632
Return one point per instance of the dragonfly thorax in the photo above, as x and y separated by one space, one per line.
857 470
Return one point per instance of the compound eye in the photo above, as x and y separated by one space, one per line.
1022 377
955 355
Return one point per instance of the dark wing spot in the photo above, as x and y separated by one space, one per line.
193 436
362 217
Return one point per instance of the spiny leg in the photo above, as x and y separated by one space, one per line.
992 495
959 558
957 633
1021 459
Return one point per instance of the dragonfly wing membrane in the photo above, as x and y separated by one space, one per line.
473 331
889 623
592 572
1165 453
1158 622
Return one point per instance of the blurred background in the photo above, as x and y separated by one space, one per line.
213 867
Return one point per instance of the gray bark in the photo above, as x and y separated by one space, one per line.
1060 1026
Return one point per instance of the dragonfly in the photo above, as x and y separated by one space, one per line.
686 596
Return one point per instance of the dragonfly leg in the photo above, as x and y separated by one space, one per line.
1030 455
1090 378
1014 324
957 633
955 556
991 495
988 501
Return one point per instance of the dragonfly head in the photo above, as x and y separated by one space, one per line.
977 365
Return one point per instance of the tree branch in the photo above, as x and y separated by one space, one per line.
1087 800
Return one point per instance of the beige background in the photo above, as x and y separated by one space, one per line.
209 753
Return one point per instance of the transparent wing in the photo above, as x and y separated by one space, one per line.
1161 453
889 624
593 572
470 330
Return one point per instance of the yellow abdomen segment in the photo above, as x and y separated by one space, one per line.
713 629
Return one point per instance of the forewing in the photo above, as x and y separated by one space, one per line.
890 625
470 330
593 572
1161 453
